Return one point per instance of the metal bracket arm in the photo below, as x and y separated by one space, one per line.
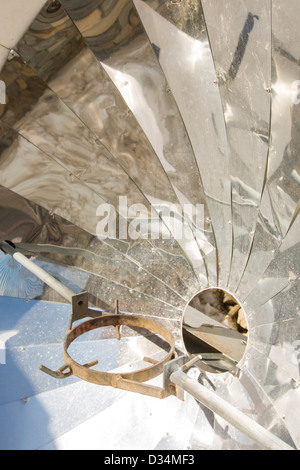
221 407
61 374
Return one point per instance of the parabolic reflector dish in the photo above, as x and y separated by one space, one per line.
149 154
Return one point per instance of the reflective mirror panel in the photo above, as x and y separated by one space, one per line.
149 154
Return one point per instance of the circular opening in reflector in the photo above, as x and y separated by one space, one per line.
215 327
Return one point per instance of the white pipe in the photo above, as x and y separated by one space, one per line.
64 291
208 398
221 407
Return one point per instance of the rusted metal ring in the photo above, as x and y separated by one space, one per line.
107 378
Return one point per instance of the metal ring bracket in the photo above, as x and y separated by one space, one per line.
175 381
129 380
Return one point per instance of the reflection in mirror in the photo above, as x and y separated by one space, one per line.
215 327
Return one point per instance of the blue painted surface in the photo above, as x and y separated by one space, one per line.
30 399
31 324
36 331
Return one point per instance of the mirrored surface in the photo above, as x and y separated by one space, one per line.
198 100
150 107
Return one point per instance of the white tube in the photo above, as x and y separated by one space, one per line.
39 272
221 407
